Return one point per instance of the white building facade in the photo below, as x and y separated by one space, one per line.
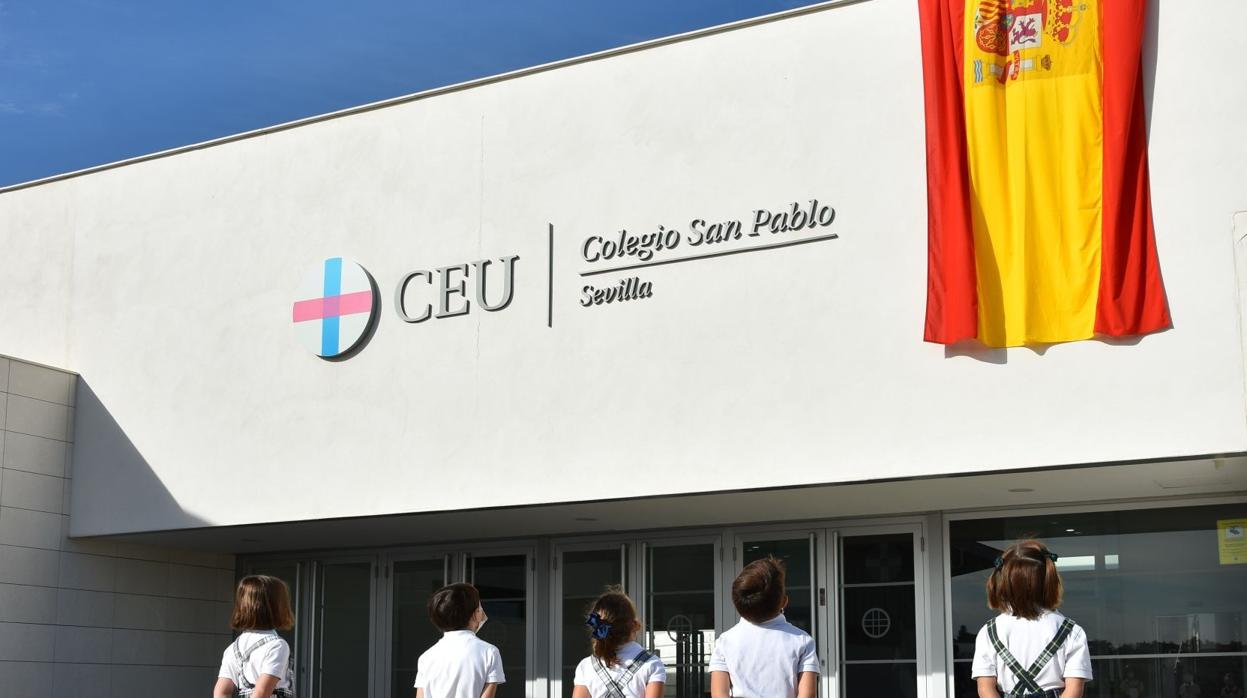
635 318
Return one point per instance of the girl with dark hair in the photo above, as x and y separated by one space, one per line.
1030 650
618 667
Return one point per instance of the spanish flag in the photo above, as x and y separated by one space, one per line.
1039 211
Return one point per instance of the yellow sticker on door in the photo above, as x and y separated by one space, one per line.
1232 541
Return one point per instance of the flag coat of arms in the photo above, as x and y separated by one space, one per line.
1039 209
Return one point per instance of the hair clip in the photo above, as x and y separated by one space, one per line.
998 562
1050 555
600 627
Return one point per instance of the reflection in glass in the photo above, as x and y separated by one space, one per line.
586 574
796 556
503 583
1149 588
343 628
413 633
878 559
680 624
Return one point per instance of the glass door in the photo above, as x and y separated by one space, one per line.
798 553
411 581
504 581
343 623
582 573
878 614
681 598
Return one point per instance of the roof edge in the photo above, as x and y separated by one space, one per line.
446 89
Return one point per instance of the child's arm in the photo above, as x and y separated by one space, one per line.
490 690
224 688
419 693
1073 688
987 687
807 684
720 684
581 692
653 689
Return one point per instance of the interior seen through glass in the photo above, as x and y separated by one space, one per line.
680 625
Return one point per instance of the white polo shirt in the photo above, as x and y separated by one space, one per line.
272 658
1025 639
459 666
765 660
652 671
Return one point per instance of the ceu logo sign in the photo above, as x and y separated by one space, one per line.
335 310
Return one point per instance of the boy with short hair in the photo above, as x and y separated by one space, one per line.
763 656
460 665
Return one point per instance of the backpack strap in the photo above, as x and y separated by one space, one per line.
1024 677
243 684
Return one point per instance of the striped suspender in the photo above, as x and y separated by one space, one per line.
614 689
242 661
1027 678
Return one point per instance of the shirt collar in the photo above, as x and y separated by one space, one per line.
459 633
767 623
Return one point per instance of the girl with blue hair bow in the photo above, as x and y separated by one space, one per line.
618 666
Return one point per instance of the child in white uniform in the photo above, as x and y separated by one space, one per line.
763 656
618 667
1029 650
257 663
460 665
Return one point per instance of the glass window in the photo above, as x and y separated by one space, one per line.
586 574
343 628
502 581
413 633
680 616
1165 613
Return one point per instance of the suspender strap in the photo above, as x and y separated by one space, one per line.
242 682
1025 680
1053 645
615 688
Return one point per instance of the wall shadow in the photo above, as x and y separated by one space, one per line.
113 489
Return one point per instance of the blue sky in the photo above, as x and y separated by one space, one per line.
84 82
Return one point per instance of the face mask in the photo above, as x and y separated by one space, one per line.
483 619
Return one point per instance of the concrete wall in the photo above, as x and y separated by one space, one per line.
90 618
168 285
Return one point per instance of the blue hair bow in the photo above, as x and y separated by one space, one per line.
600 628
